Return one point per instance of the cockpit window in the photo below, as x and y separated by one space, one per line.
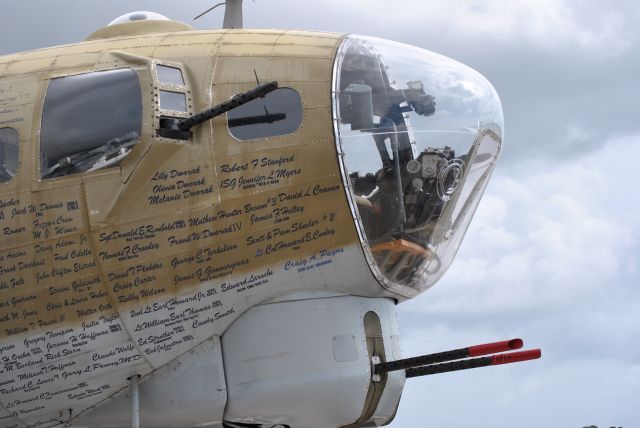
278 113
8 153
89 121
420 135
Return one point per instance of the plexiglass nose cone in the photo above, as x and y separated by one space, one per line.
419 135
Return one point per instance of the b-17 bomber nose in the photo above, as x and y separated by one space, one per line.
230 217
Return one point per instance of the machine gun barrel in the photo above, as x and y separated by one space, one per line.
473 363
456 354
258 92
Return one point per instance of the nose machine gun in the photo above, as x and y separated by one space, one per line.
458 359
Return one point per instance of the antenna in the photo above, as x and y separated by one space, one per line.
232 13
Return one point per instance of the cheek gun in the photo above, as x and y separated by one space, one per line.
443 362
180 129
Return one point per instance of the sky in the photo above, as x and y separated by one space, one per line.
553 253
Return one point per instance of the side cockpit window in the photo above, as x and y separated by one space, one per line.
8 153
277 113
90 121
173 91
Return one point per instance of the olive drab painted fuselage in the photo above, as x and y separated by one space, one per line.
116 271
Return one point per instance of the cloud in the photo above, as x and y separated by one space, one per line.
550 23
577 24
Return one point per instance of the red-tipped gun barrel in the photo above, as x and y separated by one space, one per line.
473 363
492 348
456 354
516 357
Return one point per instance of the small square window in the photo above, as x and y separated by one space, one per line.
170 75
175 101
